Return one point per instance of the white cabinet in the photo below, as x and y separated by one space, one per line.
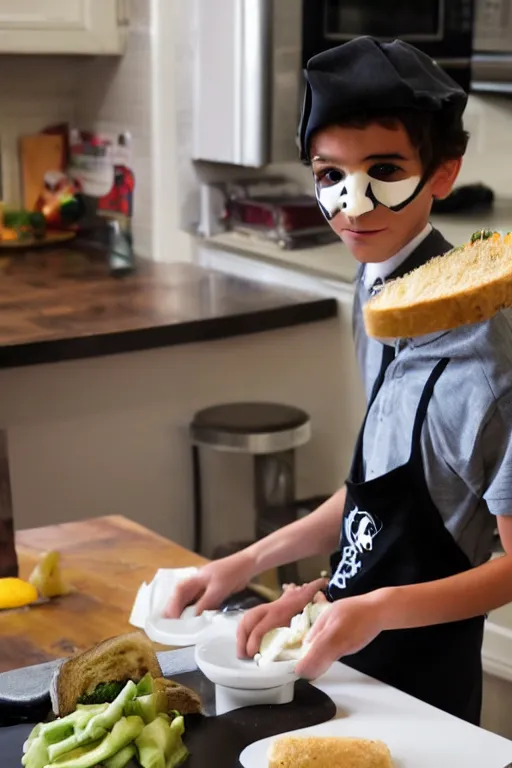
63 26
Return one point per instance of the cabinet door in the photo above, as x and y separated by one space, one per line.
63 26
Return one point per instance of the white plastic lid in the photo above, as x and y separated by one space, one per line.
178 632
181 632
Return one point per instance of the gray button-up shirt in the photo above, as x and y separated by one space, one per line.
467 436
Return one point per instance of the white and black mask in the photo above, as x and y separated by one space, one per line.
357 193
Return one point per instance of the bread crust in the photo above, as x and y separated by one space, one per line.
328 752
387 316
126 657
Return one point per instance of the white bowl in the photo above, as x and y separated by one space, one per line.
216 657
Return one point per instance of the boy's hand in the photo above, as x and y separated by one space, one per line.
346 628
260 620
211 585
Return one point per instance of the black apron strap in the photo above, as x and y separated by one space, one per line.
425 399
357 467
388 355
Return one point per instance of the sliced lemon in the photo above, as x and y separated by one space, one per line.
47 577
16 593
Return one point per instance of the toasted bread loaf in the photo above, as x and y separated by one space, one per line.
127 657
467 285
328 752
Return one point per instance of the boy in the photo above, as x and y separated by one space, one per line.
432 469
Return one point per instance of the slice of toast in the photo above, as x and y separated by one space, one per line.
467 285
179 698
126 657
328 752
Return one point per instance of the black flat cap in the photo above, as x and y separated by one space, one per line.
368 76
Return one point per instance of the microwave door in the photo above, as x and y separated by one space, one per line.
422 21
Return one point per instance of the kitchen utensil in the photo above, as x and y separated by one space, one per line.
467 197
291 222
241 682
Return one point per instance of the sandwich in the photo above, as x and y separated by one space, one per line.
467 285
328 752
114 710
99 675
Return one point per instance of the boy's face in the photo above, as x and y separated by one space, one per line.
384 154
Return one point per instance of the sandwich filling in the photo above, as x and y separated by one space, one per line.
289 643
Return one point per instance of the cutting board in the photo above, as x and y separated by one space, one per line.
418 735
209 735
39 154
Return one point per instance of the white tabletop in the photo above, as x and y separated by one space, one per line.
418 735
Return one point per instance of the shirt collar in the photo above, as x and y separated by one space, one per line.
379 272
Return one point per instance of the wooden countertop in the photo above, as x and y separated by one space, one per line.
62 304
106 559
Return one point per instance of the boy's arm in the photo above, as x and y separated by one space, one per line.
315 534
472 593
488 586
350 624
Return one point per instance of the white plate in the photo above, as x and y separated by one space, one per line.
216 657
418 735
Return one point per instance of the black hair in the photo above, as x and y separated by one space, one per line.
438 136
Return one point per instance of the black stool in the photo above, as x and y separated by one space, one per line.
270 433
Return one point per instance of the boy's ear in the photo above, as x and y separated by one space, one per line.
444 177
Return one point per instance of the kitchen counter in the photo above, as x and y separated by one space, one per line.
334 261
63 305
105 586
418 735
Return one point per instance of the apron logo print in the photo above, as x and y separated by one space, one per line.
359 529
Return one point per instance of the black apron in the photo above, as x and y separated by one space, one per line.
392 535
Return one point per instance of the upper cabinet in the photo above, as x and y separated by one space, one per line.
92 27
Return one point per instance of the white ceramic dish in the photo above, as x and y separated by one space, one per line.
216 657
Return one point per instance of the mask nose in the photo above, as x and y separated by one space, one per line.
355 201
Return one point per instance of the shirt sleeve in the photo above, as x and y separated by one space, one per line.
497 458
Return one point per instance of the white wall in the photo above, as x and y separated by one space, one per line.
171 127
109 435
489 120
115 95
35 91
133 93
497 706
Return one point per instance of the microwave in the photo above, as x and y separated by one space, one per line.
244 73
441 28
492 47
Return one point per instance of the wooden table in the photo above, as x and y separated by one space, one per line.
106 559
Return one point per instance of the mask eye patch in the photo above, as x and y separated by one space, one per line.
395 195
359 193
